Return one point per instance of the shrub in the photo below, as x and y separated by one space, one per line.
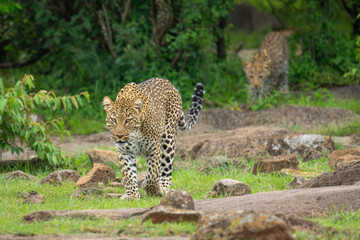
16 125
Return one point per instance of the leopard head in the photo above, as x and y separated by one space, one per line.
258 70
124 115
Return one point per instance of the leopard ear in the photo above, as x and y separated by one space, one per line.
246 64
108 104
138 104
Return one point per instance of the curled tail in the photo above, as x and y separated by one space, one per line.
186 122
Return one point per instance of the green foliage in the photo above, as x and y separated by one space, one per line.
16 105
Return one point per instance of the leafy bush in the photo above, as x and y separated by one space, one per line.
16 125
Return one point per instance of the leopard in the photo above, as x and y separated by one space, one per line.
144 120
269 67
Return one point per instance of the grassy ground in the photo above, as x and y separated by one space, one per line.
12 208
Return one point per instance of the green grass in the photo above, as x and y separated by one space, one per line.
12 208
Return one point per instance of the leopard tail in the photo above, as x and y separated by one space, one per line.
186 122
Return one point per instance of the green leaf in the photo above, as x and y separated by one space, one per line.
2 89
74 102
80 101
63 100
27 136
2 104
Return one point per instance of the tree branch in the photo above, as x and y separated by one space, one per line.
347 8
106 33
20 64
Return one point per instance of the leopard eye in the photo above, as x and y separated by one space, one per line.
113 119
127 121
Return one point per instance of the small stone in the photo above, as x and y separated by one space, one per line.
311 155
178 199
276 164
84 192
160 214
57 177
21 175
35 198
241 224
141 178
219 162
100 173
230 187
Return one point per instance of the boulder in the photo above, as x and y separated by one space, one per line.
160 214
276 164
57 177
295 143
178 199
21 175
230 187
340 156
103 156
347 175
242 224
100 173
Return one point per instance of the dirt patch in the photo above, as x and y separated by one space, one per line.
344 176
296 202
246 142
85 237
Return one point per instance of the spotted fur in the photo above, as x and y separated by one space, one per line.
144 120
269 67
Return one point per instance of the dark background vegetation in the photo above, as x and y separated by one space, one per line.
99 46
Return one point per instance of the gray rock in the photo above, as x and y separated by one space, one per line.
57 177
230 187
178 199
160 214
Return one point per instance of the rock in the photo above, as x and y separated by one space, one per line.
160 214
297 181
336 156
178 199
86 192
348 175
21 175
276 163
312 154
34 197
100 173
230 187
57 177
219 161
141 178
241 224
303 143
103 156
296 173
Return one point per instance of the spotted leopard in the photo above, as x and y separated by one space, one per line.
269 67
144 120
